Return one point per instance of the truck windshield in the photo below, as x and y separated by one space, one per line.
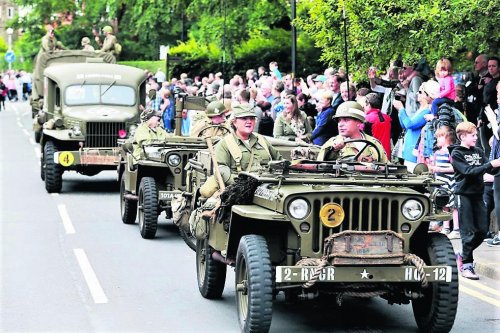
86 94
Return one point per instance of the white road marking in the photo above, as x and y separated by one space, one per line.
25 131
37 152
54 194
68 226
90 277
19 124
32 141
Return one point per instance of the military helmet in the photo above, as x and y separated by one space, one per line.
107 29
243 110
215 108
85 40
150 113
350 109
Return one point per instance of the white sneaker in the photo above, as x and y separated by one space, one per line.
455 234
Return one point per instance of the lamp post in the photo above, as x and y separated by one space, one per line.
10 31
294 39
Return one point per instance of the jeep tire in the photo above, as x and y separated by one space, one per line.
436 311
253 284
50 169
188 238
148 208
211 274
128 208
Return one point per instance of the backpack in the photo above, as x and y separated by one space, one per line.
118 48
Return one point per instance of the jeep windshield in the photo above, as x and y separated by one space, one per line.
86 94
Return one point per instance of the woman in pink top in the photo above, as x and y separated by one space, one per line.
447 93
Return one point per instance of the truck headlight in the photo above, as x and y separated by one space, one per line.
412 209
174 160
77 131
298 208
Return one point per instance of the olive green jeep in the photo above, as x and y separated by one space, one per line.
148 185
335 229
87 109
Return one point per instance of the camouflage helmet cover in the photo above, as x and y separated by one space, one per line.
150 113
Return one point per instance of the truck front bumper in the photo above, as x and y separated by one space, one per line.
88 157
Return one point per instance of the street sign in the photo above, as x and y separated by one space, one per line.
10 56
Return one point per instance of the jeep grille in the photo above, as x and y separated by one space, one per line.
185 158
368 212
100 135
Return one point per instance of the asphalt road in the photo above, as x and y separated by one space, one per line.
68 263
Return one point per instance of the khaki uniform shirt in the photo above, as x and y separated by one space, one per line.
88 47
109 44
369 154
49 44
145 135
254 155
290 130
212 132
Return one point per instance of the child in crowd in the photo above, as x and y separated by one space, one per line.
440 164
447 92
470 164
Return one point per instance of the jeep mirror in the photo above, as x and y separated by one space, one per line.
421 168
128 147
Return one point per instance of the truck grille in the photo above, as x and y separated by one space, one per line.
362 213
101 135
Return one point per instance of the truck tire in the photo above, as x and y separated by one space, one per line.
188 238
42 169
211 274
148 208
436 311
128 208
253 284
52 171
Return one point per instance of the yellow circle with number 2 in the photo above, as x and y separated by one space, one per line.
331 215
66 158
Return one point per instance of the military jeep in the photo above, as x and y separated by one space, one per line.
329 229
87 108
147 186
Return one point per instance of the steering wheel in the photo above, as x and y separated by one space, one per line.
221 127
367 143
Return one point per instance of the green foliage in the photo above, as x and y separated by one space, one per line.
151 66
379 31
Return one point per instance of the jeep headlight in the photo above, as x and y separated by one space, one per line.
412 209
77 131
440 198
298 208
131 130
174 160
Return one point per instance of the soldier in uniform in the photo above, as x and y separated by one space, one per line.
215 115
108 45
240 150
148 131
350 117
50 43
86 44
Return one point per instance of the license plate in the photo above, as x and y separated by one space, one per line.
296 274
165 195
98 159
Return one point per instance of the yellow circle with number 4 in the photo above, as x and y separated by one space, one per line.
331 215
66 158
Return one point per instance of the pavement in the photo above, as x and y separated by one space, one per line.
486 259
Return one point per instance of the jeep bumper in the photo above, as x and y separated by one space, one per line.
89 156
302 274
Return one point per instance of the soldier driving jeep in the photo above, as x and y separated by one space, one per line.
351 116
148 131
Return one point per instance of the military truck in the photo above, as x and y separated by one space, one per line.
87 108
329 229
148 185
44 60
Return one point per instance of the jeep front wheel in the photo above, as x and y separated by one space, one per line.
211 274
436 311
128 208
254 293
50 169
188 238
148 208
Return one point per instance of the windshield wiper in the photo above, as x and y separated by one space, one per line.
83 83
108 88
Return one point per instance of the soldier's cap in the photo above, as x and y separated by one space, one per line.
85 40
107 29
150 113
350 109
243 110
215 108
